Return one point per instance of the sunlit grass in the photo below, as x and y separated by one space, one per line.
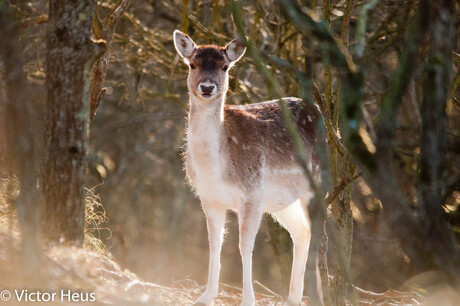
95 217
9 190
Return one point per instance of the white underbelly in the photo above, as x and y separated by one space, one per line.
283 187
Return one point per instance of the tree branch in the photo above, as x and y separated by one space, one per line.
361 27
103 32
332 47
339 188
328 122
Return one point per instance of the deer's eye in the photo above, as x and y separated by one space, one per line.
225 68
192 66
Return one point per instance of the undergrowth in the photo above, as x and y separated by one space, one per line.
95 216
9 190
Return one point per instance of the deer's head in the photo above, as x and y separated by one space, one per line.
208 66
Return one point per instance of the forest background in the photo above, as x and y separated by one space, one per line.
391 67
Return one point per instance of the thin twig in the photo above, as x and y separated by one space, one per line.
361 28
103 32
342 185
328 122
267 289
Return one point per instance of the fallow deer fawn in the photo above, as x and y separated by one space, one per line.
240 157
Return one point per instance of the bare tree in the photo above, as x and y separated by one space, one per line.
69 59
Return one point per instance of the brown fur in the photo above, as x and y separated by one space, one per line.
256 134
209 58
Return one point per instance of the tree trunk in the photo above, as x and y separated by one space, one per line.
433 138
68 64
281 243
344 220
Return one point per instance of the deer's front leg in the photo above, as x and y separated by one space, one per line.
249 217
215 220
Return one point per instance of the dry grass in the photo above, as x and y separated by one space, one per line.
95 218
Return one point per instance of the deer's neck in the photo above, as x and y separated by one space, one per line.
205 128
206 110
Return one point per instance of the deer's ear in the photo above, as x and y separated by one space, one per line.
235 50
184 44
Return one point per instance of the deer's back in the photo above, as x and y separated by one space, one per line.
260 128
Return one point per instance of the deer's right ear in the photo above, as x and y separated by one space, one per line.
184 44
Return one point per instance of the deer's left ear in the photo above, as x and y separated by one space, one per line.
235 50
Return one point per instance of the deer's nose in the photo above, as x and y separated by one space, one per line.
207 89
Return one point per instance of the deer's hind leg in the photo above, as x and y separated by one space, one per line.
294 219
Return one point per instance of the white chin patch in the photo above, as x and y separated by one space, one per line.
206 96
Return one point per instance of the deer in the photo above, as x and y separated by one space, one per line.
240 158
